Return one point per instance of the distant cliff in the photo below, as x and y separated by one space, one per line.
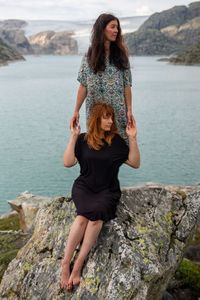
47 42
13 35
7 54
50 42
168 32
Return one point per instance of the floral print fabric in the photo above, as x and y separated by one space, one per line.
107 86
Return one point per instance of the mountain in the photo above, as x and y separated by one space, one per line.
47 42
168 32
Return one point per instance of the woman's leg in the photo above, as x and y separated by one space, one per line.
75 236
91 234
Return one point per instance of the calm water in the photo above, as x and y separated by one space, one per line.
36 103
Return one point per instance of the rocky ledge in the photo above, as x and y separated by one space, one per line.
135 256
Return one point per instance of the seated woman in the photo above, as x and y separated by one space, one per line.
96 192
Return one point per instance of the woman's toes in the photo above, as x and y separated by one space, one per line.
69 286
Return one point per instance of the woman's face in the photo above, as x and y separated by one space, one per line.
106 122
111 31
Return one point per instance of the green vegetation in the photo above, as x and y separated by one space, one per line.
189 57
10 223
189 273
11 240
150 42
195 240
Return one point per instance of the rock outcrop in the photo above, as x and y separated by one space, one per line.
134 258
50 42
167 32
7 54
27 206
13 35
16 39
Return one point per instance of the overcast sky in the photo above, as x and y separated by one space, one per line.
81 9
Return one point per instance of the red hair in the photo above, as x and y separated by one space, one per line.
94 126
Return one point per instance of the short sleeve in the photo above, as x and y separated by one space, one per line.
78 148
127 77
122 149
82 74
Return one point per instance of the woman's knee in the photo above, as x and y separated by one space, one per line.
82 221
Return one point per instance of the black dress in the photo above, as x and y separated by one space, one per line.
96 192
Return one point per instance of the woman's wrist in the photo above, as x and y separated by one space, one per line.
132 138
74 136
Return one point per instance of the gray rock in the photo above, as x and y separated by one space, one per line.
7 54
135 256
12 24
176 15
50 42
16 39
168 32
27 206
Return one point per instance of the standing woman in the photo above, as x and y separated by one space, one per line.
105 73
96 192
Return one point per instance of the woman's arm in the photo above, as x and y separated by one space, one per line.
128 98
81 95
128 101
134 153
69 158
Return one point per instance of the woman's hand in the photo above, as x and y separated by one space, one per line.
130 118
69 158
74 119
75 128
131 130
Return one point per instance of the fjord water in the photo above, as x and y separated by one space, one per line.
37 99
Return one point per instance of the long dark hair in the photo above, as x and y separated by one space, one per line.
96 51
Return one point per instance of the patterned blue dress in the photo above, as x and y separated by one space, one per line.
107 86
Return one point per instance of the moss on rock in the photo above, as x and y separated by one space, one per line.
11 240
10 222
189 273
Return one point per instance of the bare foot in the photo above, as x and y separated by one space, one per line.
74 279
65 274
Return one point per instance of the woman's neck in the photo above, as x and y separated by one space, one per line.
102 134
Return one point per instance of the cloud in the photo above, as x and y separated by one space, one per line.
143 10
79 9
